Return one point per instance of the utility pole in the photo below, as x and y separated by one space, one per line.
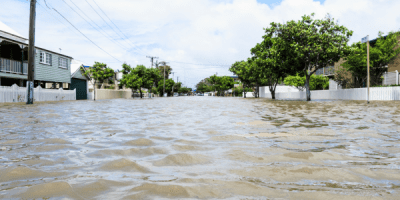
164 82
151 58
368 67
157 64
363 40
164 64
173 73
31 53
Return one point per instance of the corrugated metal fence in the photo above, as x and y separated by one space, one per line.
18 94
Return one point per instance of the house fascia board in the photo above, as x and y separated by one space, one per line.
12 36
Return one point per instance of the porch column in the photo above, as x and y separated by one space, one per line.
22 59
1 64
21 83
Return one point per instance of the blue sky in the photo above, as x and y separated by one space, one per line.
196 37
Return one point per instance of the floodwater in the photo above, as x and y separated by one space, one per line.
200 147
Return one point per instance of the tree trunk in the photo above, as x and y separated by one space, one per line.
94 91
133 93
272 90
140 90
244 93
308 92
258 91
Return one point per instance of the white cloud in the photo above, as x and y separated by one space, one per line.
206 31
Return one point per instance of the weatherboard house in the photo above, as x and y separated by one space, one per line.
51 69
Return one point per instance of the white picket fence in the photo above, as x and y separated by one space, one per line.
18 94
376 93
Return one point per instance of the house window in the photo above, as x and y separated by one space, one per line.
62 62
45 58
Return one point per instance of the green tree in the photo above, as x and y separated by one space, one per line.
225 83
184 90
138 78
243 70
313 44
168 71
272 61
382 52
176 87
169 83
214 80
98 73
204 86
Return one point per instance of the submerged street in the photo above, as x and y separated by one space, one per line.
200 147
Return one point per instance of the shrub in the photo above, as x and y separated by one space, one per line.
317 82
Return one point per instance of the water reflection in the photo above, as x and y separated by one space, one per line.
200 147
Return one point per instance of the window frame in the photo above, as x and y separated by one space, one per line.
44 57
60 63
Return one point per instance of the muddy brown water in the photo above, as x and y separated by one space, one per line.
200 147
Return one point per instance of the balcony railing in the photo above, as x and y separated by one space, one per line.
13 66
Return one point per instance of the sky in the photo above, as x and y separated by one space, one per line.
198 38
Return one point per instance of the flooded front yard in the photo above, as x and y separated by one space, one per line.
200 147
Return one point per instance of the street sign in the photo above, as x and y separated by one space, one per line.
365 39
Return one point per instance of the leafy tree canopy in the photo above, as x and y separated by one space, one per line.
313 44
382 52
138 77
169 83
98 72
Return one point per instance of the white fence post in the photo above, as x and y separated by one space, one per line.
397 77
14 89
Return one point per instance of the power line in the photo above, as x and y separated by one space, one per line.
221 66
107 36
107 23
86 36
117 27
103 29
50 14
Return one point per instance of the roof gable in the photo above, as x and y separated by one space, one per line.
79 75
